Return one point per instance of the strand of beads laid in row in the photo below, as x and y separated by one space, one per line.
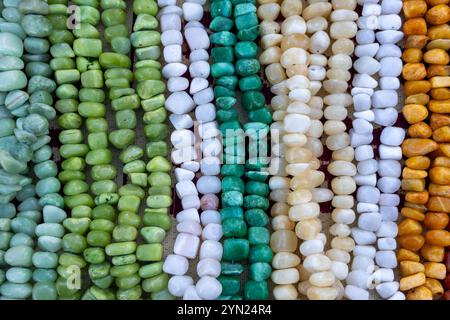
422 264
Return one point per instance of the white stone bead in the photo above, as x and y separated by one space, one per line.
199 69
363 237
178 284
342 202
322 279
364 81
211 249
366 115
174 69
340 230
389 83
297 123
389 184
197 85
181 121
364 152
205 112
190 226
207 130
188 214
210 216
388 213
172 9
355 293
368 194
338 255
367 65
389 50
343 15
385 117
389 200
371 9
191 294
387 244
366 50
171 37
311 247
208 267
208 288
320 195
369 221
398 296
198 55
316 24
191 166
339 269
192 201
185 188
345 216
362 126
182 138
320 41
384 99
209 184
387 152
365 250
365 36
361 102
391 6
197 38
177 84
362 207
182 174
366 180
317 262
368 22
211 147
164 3
392 136
358 278
192 11
170 21
179 103
186 245
367 167
210 166
387 229
386 259
176 265
212 231
390 22
389 36
363 263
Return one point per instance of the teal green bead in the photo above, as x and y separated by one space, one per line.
38 69
235 249
229 82
235 170
250 83
123 260
222 54
12 15
13 80
151 270
231 269
231 285
36 26
8 63
47 185
260 271
253 100
260 115
145 21
5 238
256 290
53 199
49 243
221 91
29 204
13 28
7 210
34 7
260 253
37 83
223 38
232 199
243 8
232 212
232 183
256 218
250 34
5 224
221 69
19 256
246 21
94 255
23 225
234 227
15 290
156 283
225 102
258 235
247 67
162 295
46 260
221 8
44 275
246 50
220 23
227 115
44 291
257 188
45 169
255 201
50 229
33 215
257 175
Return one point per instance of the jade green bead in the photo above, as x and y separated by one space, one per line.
13 80
23 224
258 235
114 60
156 131
231 269
129 203
15 290
124 271
131 190
19 256
156 283
158 148
256 290
125 119
73 163
123 260
38 69
122 138
47 185
220 23
45 260
62 50
12 15
147 73
151 270
5 238
131 153
232 183
91 94
256 217
89 15
149 88
102 225
225 102
44 275
67 106
62 64
103 187
96 125
92 79
231 285
104 283
235 249
113 16
223 38
50 229
98 238
36 26
8 63
221 8
153 103
94 255
45 169
229 82
220 69
69 259
58 36
119 73
125 102
255 201
117 31
49 243
125 233
246 21
165 190
103 172
34 215
121 45
159 201
260 253
234 227
108 4
67 76
69 175
136 166
158 220
99 156
97 271
117 249
87 47
129 218
159 179
260 271
128 282
67 91
145 6
158 164
98 140
162 295
74 243
153 234
44 291
129 294
145 21
249 34
221 91
104 211
232 199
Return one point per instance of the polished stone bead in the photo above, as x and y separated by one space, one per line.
229 82
232 183
221 24
232 269
247 67
231 212
44 291
223 38
252 100
225 102
232 199
258 235
260 115
243 7
250 34
236 170
220 91
227 115
234 227
256 217
221 69
231 285
246 21
260 271
256 290
222 54
221 8
260 253
36 26
156 283
235 249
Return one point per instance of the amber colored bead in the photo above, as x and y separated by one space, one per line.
415 185
420 197
420 98
438 14
414 8
415 41
435 287
408 268
440 175
412 55
409 227
441 162
440 93
412 214
415 87
432 253
439 120
440 82
412 281
414 71
418 147
439 106
437 70
420 130
438 237
435 270
420 207
436 220
439 32
415 26
436 56
432 3
414 113
442 134
279 209
407 255
413 174
420 293
411 242
439 204
439 190
444 148
418 162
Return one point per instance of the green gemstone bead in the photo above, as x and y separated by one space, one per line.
256 218
153 234
256 290
74 243
231 269
250 83
255 201
222 54
140 39
221 69
229 82
234 227
231 285
261 115
97 271
94 255
117 31
257 188
145 6
232 183
156 283
260 253
151 270
232 199
246 67
235 249
235 170
220 23
223 38
246 21
225 102
145 22
113 16
232 212
258 235
250 34
123 260
161 220
221 91
87 47
221 8
227 115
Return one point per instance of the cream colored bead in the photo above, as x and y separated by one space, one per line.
335 86
320 41
308 229
316 24
303 287
298 107
316 146
343 46
305 211
279 195
279 102
291 8
284 260
317 293
302 95
337 141
320 9
343 185
294 140
293 56
293 24
335 113
332 127
344 154
271 40
341 168
270 55
316 129
317 262
282 223
278 115
309 179
269 11
300 196
346 244
279 209
345 216
321 195
296 123
285 292
340 61
343 30
340 230
316 113
322 279
298 154
297 69
317 59
279 88
343 201
338 255
343 15
344 4
342 99
285 276
297 81
275 73
295 169
295 40
269 27
279 182
339 74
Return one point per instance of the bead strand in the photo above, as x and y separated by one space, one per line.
422 207
17 229
235 247
283 241
124 100
88 48
146 40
